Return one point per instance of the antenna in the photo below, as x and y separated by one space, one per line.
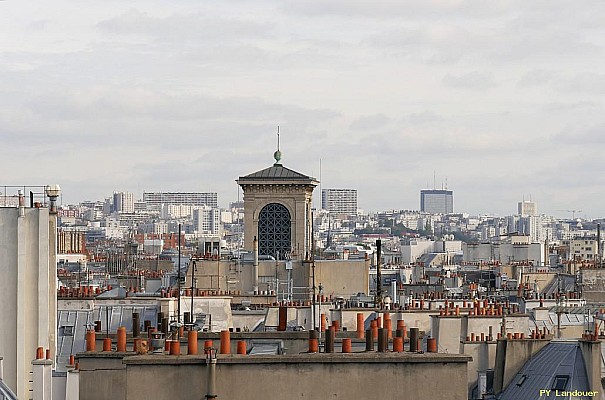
321 194
278 137
434 186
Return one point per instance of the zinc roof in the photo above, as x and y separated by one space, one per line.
558 358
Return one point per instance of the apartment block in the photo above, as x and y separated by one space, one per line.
339 201
154 200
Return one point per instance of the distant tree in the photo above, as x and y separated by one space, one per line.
370 231
427 228
464 237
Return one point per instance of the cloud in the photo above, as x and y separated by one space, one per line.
185 29
562 107
425 117
582 136
538 77
395 9
499 95
584 82
473 80
587 82
371 122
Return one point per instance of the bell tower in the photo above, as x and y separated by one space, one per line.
277 211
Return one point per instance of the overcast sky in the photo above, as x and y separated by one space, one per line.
504 99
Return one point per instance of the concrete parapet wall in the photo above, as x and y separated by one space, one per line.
591 351
305 376
103 376
593 281
484 357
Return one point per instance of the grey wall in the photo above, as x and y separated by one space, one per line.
593 281
305 376
28 286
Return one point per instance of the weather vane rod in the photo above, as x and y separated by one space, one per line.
277 154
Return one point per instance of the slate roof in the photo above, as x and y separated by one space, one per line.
276 171
557 358
72 325
565 283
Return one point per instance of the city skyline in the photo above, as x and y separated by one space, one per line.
502 98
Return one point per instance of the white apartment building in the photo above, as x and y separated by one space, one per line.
532 226
227 217
176 211
123 202
505 252
584 249
415 248
339 201
154 200
207 220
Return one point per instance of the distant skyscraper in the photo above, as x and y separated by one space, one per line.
339 201
437 201
154 200
527 208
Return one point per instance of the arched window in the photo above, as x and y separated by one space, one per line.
274 231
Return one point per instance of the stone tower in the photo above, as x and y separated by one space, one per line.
277 211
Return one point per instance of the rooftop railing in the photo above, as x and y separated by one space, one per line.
9 195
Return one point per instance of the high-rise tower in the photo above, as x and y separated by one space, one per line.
437 201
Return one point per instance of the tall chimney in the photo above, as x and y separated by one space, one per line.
21 204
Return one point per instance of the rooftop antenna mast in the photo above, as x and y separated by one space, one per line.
313 275
178 317
320 191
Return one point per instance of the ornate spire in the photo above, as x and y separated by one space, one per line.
277 154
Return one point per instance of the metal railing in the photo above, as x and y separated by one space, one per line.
6 393
9 195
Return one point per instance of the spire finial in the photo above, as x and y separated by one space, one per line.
277 154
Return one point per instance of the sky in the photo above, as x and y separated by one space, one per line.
499 101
